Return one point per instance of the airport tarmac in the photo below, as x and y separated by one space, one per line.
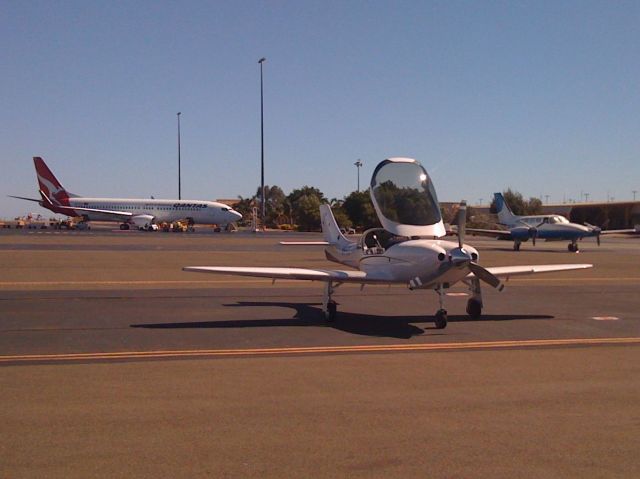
114 362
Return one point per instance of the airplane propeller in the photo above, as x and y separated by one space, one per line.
460 257
596 230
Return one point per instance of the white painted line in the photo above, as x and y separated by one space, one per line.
605 318
457 294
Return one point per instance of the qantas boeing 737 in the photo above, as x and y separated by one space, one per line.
141 213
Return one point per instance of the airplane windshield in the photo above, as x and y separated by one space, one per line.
405 194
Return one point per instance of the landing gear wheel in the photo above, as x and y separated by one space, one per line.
124 226
441 319
516 246
474 308
572 247
332 310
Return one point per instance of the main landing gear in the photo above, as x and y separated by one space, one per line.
573 247
329 306
124 226
516 246
474 305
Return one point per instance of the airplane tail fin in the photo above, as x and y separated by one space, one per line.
49 184
330 230
505 216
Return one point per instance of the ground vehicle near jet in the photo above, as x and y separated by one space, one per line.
141 213
406 250
546 227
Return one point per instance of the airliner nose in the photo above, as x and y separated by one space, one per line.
235 216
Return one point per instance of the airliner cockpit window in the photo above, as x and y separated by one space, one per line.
404 194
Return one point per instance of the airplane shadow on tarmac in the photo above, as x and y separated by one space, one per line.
399 327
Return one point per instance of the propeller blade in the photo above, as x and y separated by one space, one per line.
486 276
462 222
534 235
598 239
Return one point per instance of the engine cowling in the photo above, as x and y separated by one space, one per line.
143 222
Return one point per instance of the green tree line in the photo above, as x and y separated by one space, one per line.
300 208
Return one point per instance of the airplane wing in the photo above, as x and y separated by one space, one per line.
71 210
124 215
502 234
621 232
508 271
326 275
304 243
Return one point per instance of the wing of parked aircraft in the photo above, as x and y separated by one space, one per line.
502 234
361 277
508 271
72 210
326 275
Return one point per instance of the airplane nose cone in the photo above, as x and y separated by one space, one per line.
235 216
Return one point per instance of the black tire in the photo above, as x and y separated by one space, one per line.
474 308
332 311
441 319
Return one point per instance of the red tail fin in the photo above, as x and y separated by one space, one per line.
49 184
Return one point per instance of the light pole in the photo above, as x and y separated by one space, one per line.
634 194
586 197
358 166
179 182
262 205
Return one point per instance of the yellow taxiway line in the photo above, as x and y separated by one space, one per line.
316 350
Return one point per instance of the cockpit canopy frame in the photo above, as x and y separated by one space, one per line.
405 199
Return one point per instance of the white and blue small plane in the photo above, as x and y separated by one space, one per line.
407 250
546 227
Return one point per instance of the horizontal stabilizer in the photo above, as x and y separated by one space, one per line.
23 198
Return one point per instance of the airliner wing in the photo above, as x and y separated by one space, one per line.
508 271
326 275
503 234
124 215
72 210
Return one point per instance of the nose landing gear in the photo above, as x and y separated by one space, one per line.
441 315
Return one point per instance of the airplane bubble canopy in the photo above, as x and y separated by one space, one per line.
405 199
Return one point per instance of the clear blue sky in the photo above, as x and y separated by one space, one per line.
542 97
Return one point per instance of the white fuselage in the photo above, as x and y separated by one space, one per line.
427 259
201 212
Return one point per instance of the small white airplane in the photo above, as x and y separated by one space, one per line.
407 250
142 213
546 227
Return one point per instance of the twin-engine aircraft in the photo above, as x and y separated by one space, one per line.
545 227
141 213
407 250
